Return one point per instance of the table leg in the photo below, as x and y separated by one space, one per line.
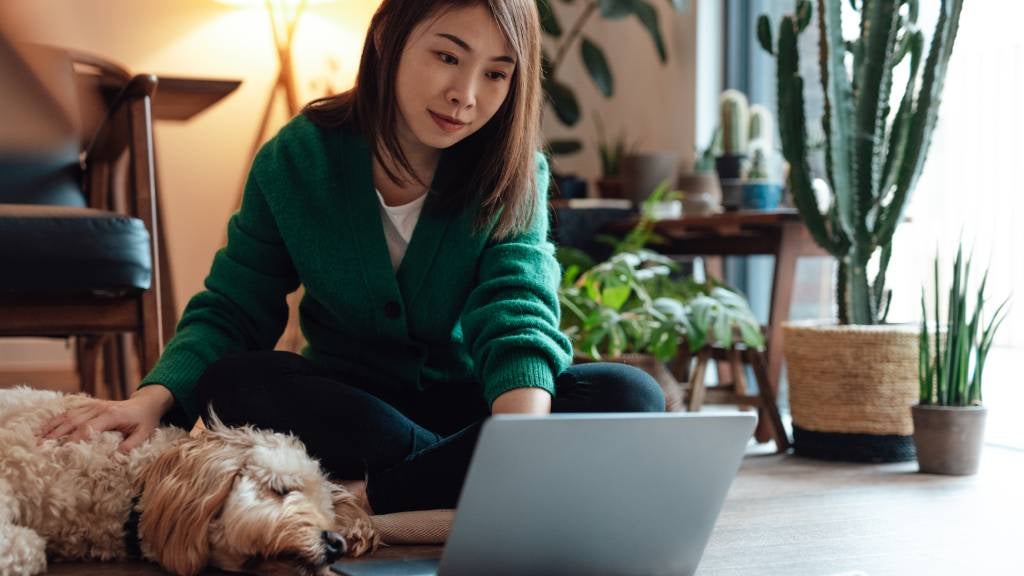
782 296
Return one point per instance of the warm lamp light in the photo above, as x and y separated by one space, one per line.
284 16
264 2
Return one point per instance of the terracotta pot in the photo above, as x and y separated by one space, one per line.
702 193
948 438
611 187
643 172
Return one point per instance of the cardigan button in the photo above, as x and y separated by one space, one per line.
392 309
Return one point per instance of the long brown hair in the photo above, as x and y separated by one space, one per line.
495 165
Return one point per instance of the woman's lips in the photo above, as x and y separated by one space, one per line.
446 124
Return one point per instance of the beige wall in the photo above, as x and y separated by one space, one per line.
654 103
202 163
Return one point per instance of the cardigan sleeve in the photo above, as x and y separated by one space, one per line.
511 318
243 306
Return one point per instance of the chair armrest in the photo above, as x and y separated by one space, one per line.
138 87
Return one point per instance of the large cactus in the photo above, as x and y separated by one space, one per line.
873 161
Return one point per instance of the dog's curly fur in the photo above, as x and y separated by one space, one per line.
239 499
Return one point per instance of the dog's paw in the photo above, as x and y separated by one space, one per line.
360 536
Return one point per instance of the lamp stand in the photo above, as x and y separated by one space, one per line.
282 22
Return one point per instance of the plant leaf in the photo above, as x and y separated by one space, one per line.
615 9
648 16
548 21
564 147
615 296
764 34
563 100
597 66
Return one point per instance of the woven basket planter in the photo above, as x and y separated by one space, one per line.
669 385
851 389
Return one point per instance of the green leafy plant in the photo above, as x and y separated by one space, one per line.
873 156
953 376
631 304
643 234
561 96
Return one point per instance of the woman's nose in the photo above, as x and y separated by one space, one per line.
462 94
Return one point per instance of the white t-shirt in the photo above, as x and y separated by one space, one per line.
399 223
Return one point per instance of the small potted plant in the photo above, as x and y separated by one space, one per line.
701 191
949 420
762 187
734 120
610 184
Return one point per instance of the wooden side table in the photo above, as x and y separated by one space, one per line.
779 233
180 99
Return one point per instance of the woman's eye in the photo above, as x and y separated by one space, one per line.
447 58
497 76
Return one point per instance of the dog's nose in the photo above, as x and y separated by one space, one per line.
335 545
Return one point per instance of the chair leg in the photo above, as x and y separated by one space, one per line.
769 408
87 350
114 367
739 379
697 380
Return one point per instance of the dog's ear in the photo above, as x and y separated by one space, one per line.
182 491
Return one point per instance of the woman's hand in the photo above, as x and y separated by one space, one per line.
523 401
135 418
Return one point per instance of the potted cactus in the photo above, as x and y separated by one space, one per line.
734 122
734 118
949 419
851 385
762 186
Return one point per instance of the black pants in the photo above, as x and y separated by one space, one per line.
414 451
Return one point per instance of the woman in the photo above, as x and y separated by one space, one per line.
430 284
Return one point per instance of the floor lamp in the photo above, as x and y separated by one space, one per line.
284 16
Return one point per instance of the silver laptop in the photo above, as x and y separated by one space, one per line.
587 494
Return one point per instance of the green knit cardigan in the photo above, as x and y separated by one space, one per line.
461 307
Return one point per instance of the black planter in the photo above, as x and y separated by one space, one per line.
729 167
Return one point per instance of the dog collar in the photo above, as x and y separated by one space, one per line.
131 530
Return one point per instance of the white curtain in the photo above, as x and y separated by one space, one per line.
972 188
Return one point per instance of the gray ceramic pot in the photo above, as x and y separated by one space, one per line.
948 438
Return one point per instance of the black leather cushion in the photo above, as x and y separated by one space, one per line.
65 250
41 179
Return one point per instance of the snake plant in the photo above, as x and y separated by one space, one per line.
953 376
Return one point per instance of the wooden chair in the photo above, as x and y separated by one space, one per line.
86 267
735 391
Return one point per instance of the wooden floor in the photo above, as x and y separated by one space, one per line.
789 516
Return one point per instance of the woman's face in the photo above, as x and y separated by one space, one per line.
453 75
